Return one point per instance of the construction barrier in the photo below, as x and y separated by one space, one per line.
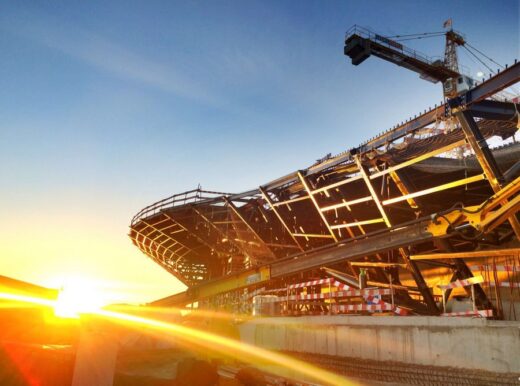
462 283
369 293
328 280
320 303
339 308
471 281
479 313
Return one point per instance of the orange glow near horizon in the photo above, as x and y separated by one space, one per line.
201 339
62 242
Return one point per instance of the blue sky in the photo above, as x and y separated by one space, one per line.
109 106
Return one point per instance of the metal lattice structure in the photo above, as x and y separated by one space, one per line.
366 207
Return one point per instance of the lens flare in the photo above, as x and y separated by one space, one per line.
203 339
241 351
27 299
77 298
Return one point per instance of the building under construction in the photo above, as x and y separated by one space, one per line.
419 220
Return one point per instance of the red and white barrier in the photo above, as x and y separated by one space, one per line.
340 286
370 292
471 281
370 295
373 299
328 280
480 313
462 283
401 311
339 308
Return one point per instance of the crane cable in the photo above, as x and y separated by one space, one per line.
425 35
476 57
484 55
515 91
417 38
410 35
466 45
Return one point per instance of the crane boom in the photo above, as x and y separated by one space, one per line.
360 43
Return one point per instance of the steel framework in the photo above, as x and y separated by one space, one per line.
368 208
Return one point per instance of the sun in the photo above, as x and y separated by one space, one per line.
79 296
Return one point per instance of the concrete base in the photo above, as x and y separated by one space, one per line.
465 343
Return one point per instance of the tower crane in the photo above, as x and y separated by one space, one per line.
360 43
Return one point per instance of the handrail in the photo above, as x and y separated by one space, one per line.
188 197
380 39
396 45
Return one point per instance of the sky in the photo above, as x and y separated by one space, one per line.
107 107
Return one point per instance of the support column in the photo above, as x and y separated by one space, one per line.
402 184
412 265
484 157
462 271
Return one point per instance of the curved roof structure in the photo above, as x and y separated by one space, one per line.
200 235
424 166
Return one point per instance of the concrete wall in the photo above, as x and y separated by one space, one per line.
468 343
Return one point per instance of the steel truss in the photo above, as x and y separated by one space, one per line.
360 207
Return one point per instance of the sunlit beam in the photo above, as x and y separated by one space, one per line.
202 339
27 299
195 313
239 350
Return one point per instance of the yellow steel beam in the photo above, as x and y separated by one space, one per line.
403 189
468 255
415 160
313 199
412 267
346 203
315 235
358 223
484 157
377 265
336 184
482 217
371 189
449 185
505 212
290 201
419 158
